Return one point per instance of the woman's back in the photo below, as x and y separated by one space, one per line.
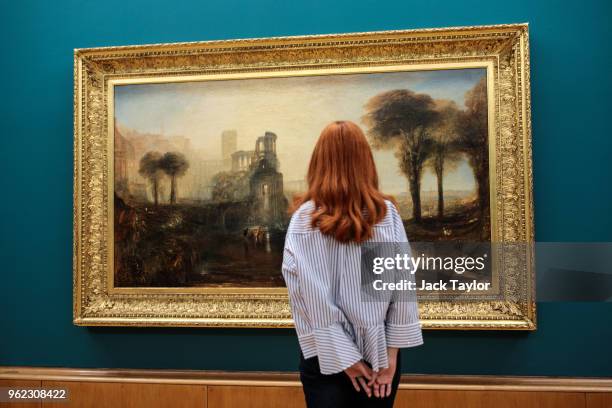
329 277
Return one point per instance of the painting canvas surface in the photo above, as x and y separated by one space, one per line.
204 171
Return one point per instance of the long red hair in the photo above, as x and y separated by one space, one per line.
343 182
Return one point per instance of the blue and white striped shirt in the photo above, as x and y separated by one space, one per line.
331 320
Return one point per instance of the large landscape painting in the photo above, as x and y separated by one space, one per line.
187 158
204 171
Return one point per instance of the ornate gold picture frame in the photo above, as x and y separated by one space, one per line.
500 52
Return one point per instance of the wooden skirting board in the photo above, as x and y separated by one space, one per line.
280 379
222 389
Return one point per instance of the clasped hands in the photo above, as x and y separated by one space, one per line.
378 382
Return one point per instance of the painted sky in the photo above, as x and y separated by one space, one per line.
294 108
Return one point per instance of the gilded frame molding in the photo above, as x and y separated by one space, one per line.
502 49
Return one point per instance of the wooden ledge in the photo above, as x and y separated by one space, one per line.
291 379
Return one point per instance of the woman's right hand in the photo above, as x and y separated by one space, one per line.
384 377
358 373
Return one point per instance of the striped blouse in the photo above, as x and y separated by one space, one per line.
331 320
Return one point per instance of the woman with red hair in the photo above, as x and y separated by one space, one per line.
349 348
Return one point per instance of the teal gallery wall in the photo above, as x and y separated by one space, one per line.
570 43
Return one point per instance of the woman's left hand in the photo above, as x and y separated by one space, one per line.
357 372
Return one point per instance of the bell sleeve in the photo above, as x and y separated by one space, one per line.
402 325
331 343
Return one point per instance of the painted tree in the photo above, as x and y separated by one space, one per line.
228 187
402 120
175 165
473 139
150 169
443 153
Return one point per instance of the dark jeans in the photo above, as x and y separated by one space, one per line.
336 390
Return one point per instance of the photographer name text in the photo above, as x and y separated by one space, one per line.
452 284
